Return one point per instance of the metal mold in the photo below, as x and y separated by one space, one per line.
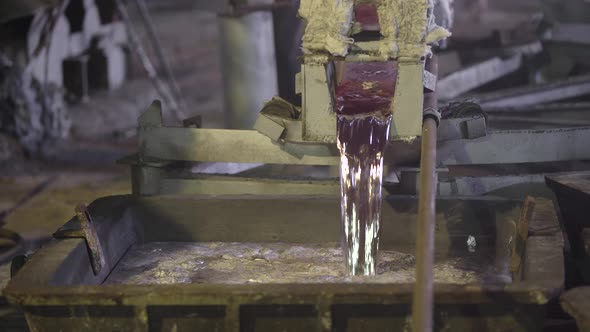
58 289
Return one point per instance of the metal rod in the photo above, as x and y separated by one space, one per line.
423 302
159 85
144 13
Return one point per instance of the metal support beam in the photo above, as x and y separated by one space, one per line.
248 146
535 95
473 185
477 75
224 145
408 101
233 185
145 180
518 146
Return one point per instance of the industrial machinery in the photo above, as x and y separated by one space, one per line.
196 230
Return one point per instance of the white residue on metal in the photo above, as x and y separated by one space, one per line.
246 263
471 243
407 27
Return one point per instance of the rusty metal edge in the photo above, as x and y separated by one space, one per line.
530 293
566 183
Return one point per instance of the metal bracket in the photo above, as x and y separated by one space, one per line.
429 81
87 231
471 127
474 128
269 128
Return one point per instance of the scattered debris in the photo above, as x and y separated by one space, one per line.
30 111
471 243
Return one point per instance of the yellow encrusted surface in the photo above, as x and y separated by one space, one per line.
407 27
328 25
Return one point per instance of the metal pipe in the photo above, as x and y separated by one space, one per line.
248 66
423 302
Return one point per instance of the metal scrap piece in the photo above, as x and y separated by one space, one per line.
533 146
87 231
472 77
269 128
91 237
429 81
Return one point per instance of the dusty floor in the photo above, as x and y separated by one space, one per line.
35 205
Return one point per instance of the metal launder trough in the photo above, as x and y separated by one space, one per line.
63 285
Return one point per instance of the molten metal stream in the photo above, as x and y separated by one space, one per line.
363 101
361 141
